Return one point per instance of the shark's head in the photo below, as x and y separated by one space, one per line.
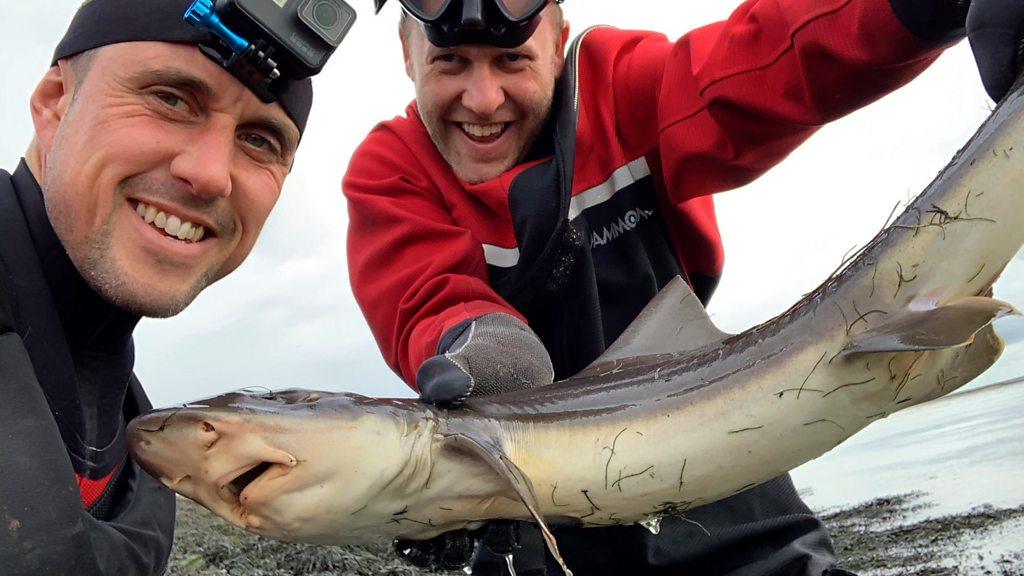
280 464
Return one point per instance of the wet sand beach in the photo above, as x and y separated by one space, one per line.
954 470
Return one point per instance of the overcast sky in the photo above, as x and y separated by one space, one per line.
287 317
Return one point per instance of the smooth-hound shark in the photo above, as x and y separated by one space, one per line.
676 414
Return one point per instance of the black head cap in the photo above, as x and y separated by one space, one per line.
102 22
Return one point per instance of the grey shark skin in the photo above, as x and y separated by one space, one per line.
674 415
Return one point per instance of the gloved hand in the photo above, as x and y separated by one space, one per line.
995 29
454 550
935 22
491 354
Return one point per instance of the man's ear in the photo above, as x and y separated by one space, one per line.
49 103
563 40
404 37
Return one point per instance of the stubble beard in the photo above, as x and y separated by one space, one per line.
109 279
95 259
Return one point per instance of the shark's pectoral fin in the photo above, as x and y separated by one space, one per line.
496 458
673 321
948 326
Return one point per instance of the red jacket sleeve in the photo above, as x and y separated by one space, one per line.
710 111
717 108
414 272
768 78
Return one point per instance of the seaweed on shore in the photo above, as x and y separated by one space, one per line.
875 538
204 545
878 538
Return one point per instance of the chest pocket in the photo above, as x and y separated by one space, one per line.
630 247
582 279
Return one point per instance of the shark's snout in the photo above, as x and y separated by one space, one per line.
285 464
209 457
158 440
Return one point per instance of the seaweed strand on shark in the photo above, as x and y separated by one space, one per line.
676 414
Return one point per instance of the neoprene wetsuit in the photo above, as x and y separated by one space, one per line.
71 500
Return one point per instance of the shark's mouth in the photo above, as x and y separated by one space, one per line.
243 480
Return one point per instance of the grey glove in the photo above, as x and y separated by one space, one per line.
491 354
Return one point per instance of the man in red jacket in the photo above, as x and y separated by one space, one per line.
530 203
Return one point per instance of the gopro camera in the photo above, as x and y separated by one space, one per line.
261 40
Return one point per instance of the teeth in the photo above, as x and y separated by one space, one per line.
185 232
171 224
482 130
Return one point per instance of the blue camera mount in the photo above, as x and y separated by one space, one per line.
250 62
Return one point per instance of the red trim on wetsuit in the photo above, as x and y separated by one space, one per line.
92 490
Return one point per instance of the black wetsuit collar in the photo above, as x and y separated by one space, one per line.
80 345
87 319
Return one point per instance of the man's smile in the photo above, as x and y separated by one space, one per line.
484 133
170 224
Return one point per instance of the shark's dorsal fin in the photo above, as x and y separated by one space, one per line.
496 458
947 326
673 321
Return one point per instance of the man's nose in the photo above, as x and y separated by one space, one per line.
205 161
484 93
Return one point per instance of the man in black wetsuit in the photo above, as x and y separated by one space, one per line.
150 175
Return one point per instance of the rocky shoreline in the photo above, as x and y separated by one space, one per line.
884 537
